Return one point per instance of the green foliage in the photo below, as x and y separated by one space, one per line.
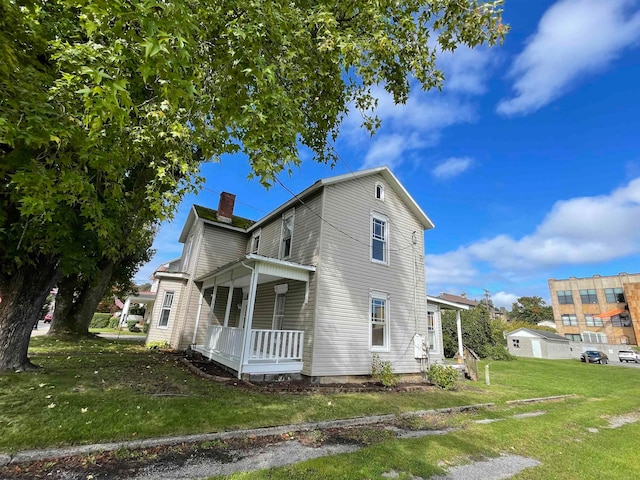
114 322
100 320
443 376
132 326
479 332
145 327
382 372
498 352
157 345
530 310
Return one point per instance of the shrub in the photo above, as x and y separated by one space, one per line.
114 322
100 320
145 327
132 325
382 372
157 345
498 352
443 376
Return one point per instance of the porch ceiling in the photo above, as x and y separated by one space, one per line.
269 270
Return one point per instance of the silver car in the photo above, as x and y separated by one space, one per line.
628 356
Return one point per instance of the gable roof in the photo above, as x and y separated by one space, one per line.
394 183
211 216
541 333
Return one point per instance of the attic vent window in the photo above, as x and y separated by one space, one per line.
379 192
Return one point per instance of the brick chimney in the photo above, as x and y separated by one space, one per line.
225 207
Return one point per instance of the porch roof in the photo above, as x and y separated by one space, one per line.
447 304
239 271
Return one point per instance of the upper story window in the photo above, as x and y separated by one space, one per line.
569 320
592 321
379 191
286 235
255 241
167 302
565 297
187 254
588 296
379 316
379 239
614 295
621 321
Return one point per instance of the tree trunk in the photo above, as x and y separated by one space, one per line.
23 295
79 302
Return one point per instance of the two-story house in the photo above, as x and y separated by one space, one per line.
316 287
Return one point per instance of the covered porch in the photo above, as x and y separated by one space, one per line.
254 313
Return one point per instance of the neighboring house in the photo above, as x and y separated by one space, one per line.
598 309
463 300
527 342
316 287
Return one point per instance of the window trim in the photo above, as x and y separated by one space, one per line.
286 216
255 238
379 191
385 249
166 308
432 328
386 334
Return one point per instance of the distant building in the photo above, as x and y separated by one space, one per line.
598 309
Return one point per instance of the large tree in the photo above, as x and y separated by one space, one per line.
531 310
97 94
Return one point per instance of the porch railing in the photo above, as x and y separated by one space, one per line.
226 341
265 346
276 346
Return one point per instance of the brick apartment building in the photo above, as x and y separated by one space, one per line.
598 309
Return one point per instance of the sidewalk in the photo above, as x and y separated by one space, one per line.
43 329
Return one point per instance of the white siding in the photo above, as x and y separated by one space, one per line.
346 276
157 334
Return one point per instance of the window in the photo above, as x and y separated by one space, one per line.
379 322
255 241
574 337
516 343
569 320
278 311
431 331
588 296
593 337
614 295
379 239
565 297
166 310
379 192
287 234
592 321
187 254
621 321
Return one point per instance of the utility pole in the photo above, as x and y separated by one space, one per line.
486 301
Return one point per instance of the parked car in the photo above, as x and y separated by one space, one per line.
48 317
628 356
594 356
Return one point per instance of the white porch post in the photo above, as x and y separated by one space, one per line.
459 329
195 328
246 347
229 300
125 311
213 304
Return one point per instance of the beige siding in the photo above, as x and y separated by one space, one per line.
218 247
346 276
157 334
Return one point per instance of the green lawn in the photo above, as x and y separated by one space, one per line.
100 390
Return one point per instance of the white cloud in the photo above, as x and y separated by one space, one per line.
575 38
452 167
504 299
420 122
578 231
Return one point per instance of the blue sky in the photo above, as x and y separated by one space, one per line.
528 161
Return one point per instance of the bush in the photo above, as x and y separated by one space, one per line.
497 352
132 325
443 376
145 327
157 345
114 322
100 320
382 372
